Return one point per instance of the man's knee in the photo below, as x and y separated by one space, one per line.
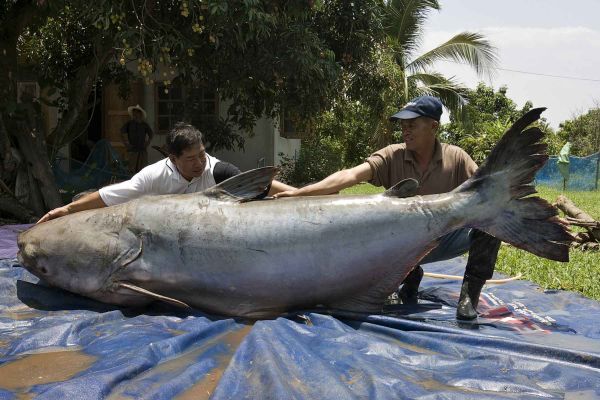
451 245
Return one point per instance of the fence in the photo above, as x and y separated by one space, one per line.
583 173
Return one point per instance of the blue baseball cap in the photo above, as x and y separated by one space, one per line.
422 106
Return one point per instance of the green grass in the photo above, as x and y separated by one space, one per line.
363 188
581 274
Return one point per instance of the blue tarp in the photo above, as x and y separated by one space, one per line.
528 344
583 172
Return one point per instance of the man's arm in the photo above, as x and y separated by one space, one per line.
88 202
224 170
278 187
334 182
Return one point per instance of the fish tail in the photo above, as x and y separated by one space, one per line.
502 185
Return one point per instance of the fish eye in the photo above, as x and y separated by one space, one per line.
43 270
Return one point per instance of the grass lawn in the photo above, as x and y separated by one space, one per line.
581 274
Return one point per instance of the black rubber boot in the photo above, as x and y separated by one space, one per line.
469 297
480 267
410 286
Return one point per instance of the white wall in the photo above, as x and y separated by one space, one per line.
289 147
261 148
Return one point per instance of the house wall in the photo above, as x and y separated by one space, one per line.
261 148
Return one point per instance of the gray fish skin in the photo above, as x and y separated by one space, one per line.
258 259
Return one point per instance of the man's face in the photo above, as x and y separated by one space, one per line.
137 115
419 133
191 162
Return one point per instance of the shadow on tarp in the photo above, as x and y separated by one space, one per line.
527 344
40 297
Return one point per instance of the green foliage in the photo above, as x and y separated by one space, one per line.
58 47
583 132
318 158
341 140
482 138
485 118
348 124
383 81
259 54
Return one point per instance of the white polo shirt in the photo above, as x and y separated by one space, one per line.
162 177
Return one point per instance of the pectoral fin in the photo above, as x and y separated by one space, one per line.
148 293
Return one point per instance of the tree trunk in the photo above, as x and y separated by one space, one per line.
569 208
19 121
32 144
9 205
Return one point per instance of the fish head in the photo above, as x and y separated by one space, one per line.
68 253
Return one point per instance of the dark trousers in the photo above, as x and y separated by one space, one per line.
137 160
483 251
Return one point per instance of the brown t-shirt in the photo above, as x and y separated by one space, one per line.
449 167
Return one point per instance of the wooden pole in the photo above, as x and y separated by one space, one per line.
597 169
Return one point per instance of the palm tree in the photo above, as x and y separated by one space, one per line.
404 20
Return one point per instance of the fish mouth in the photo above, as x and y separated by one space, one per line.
20 258
24 261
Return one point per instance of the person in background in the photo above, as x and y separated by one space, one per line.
439 168
187 169
136 135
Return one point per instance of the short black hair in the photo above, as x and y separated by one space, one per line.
181 137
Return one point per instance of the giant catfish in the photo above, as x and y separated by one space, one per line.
224 253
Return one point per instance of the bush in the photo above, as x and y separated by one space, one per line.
341 138
318 158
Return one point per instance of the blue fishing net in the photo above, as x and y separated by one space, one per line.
102 167
583 173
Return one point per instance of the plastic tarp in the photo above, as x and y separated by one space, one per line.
527 344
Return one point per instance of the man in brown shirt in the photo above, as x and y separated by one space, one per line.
439 168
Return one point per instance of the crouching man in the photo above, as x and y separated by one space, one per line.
439 168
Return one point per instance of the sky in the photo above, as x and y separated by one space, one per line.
535 37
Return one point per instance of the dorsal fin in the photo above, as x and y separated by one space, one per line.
246 186
405 188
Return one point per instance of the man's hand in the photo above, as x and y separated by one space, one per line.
56 213
287 193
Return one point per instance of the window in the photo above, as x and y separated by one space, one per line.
178 103
170 106
202 106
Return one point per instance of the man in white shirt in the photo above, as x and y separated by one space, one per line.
188 169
